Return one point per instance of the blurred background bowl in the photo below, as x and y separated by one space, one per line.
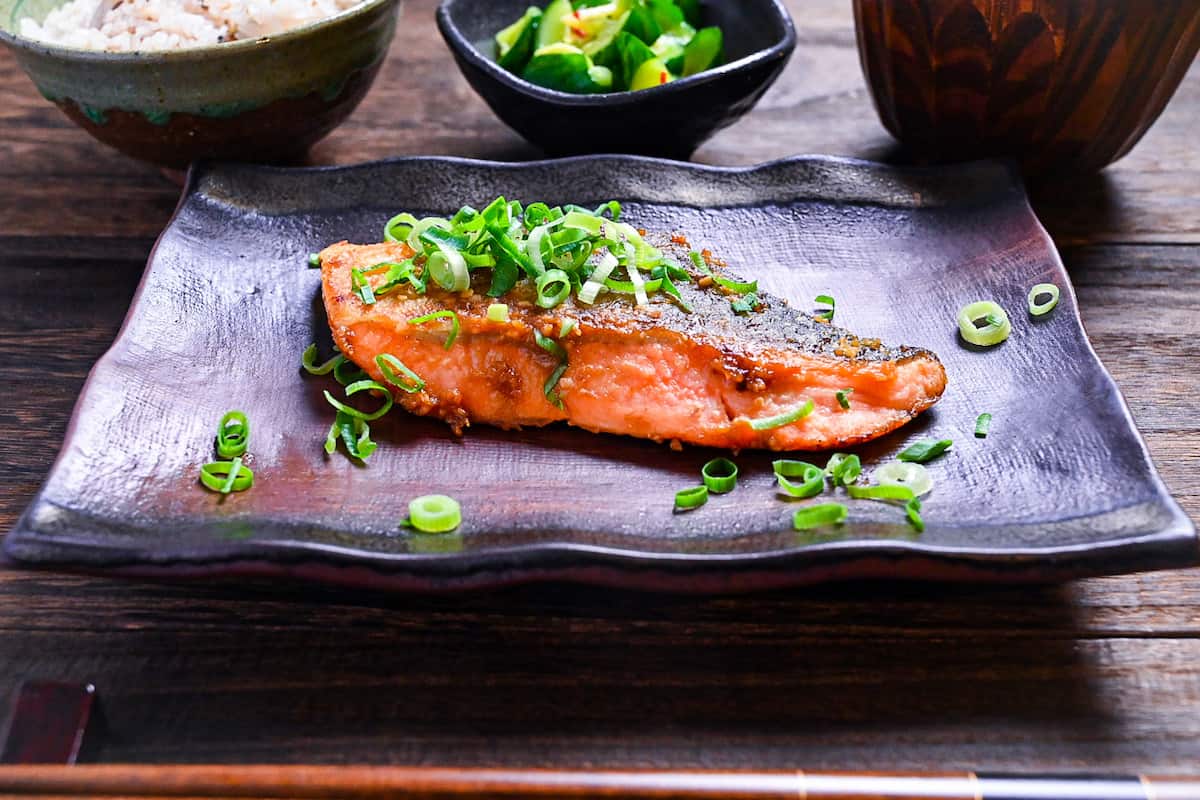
1061 85
670 120
266 99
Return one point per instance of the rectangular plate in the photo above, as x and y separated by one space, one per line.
1062 487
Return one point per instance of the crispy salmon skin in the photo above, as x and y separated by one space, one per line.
653 371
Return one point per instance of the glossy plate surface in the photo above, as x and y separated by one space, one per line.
1062 487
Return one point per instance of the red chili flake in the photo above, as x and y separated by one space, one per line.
577 14
662 78
582 34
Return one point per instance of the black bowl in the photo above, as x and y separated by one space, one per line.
670 120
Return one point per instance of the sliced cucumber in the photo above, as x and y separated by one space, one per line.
653 72
552 28
564 68
514 44
691 12
705 51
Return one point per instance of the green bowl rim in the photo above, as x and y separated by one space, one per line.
184 54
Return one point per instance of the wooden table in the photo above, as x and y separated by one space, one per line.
1096 674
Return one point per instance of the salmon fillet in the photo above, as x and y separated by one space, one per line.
652 371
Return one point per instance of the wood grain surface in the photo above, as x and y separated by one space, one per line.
1102 674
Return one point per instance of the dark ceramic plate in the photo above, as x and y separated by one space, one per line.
1062 486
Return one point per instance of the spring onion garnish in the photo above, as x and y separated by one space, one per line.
745 304
363 386
226 476
982 425
819 516
497 312
354 433
912 510
899 473
812 478
737 287
1043 298
389 365
314 260
786 418
843 398
567 326
309 361
925 450
444 314
434 513
346 372
984 323
902 493
691 498
720 475
362 287
826 315
843 468
558 351
233 434
553 286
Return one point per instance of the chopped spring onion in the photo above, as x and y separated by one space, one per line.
1043 298
388 364
363 386
444 314
843 398
355 433
720 475
553 286
745 304
362 287
346 372
434 513
984 323
827 314
902 493
812 478
226 476
737 287
982 425
899 473
314 260
233 435
498 312
568 325
309 361
819 516
787 418
912 510
557 350
925 450
843 468
587 293
691 498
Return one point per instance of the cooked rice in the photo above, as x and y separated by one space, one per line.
126 25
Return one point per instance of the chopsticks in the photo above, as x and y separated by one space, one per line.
412 783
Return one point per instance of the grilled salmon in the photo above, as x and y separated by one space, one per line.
710 376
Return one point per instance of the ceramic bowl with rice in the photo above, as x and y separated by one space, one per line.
173 81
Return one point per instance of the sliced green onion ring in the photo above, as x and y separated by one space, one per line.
984 323
314 260
217 475
233 435
843 468
309 358
912 509
843 398
498 312
925 450
983 425
354 433
899 473
555 349
819 516
363 386
902 493
434 513
444 314
389 365
362 287
720 475
1043 298
553 286
812 477
825 299
787 418
691 498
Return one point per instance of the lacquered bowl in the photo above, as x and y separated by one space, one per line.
1061 85
670 120
266 99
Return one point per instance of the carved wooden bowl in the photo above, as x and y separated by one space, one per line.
1061 85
